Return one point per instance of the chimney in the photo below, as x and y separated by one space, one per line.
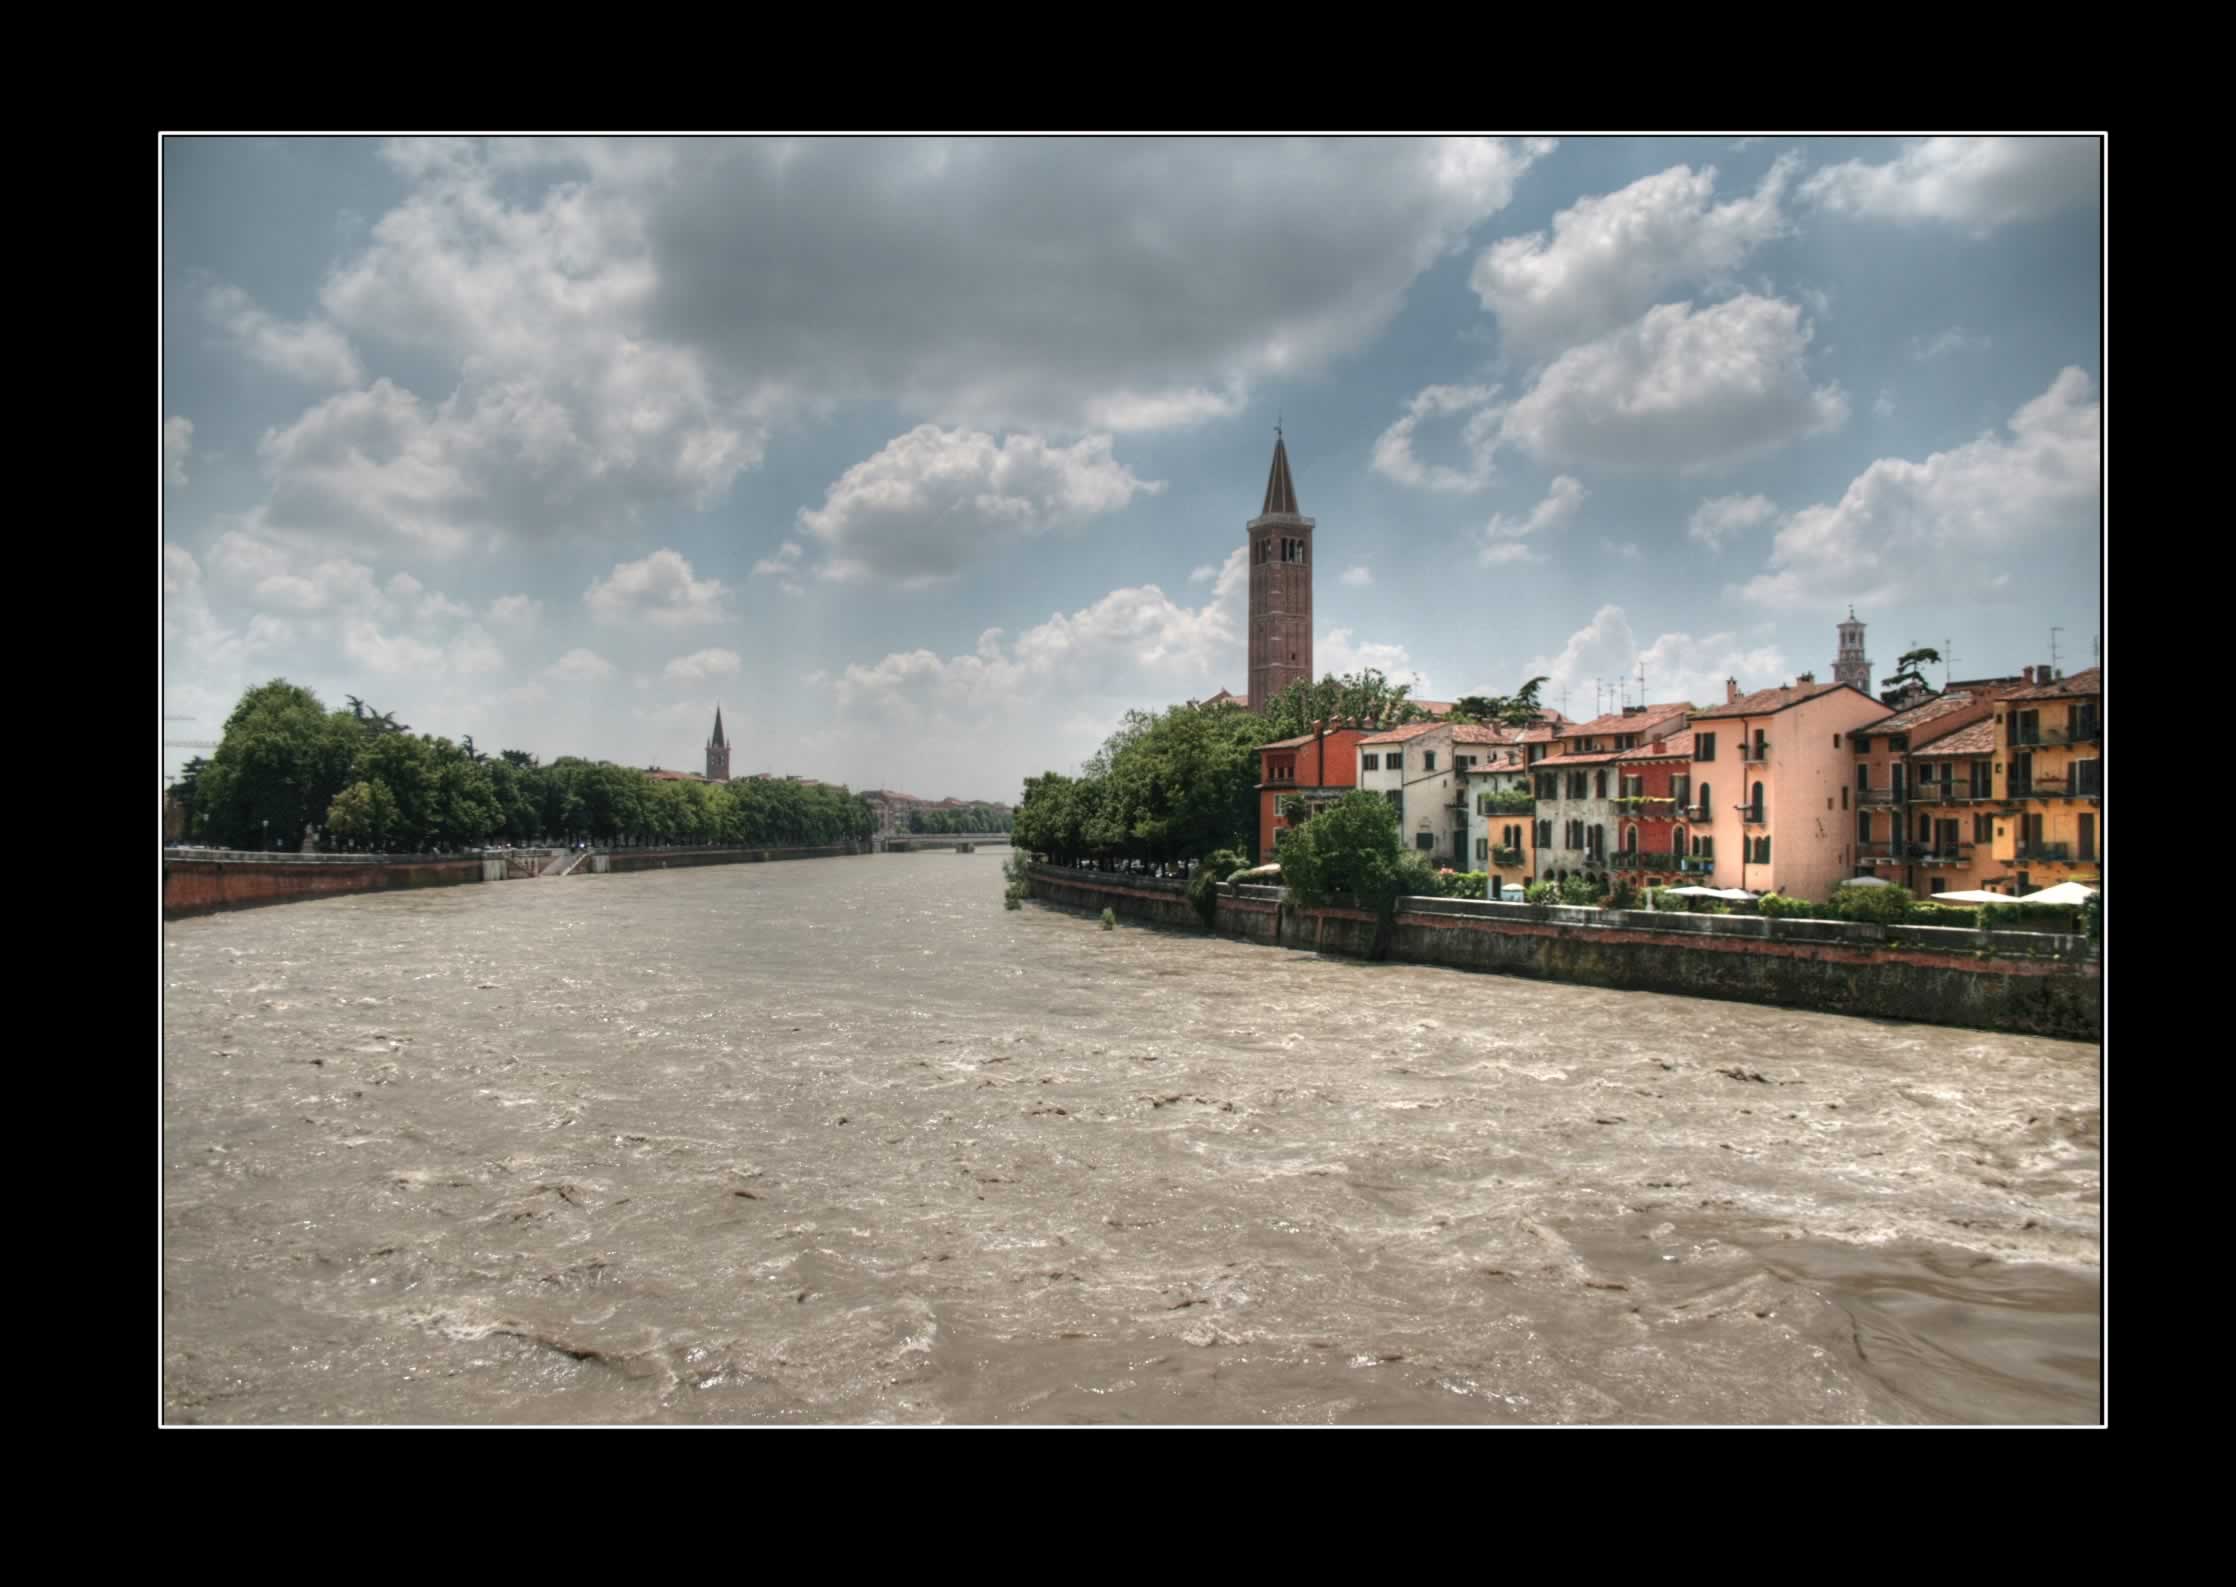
1731 690
2027 674
1634 710
1805 677
2045 673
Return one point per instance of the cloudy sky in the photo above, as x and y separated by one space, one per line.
927 460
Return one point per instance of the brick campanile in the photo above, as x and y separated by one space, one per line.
1280 551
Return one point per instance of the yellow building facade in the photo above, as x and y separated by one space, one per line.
2049 782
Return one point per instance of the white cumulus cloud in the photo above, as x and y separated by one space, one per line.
311 351
1716 520
932 500
581 666
703 664
1979 184
660 589
1681 389
1611 257
1358 577
1953 522
1506 538
1393 452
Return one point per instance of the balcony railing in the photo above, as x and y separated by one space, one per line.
1645 860
1697 864
2085 733
1754 752
1506 856
1880 796
1753 815
1948 793
2045 851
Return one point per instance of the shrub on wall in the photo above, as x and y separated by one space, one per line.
1624 894
1583 890
1541 893
1462 884
1203 888
1878 906
1959 915
1779 907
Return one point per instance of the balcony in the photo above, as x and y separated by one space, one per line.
1753 815
2040 788
2084 733
2045 851
1755 753
1948 793
1696 814
1506 856
1697 864
1645 860
1880 796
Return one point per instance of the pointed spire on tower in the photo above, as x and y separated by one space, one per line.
718 739
1281 490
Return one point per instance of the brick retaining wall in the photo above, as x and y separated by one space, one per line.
2033 983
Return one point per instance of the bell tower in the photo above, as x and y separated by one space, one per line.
1280 551
1852 667
718 752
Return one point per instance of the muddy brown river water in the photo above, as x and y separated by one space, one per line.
844 1141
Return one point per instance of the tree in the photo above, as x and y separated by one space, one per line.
1518 709
364 813
1909 673
1351 853
279 763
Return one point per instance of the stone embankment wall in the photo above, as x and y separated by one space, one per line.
203 886
2033 983
207 884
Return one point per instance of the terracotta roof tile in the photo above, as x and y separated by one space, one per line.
1974 739
1631 722
1583 758
1763 702
1401 735
1924 711
1677 746
2066 688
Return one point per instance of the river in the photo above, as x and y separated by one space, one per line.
845 1141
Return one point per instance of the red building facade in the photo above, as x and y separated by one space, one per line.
1317 768
1653 834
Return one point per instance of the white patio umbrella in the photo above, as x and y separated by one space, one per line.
1976 895
2075 893
1733 893
1867 881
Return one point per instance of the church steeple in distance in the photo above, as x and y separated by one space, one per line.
718 752
1280 552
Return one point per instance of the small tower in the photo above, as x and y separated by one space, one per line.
718 752
1280 550
1852 667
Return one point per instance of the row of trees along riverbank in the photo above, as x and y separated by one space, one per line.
286 764
1181 785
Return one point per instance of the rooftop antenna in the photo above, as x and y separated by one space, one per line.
1641 680
2055 630
1948 663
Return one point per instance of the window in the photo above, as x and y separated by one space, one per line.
1704 847
1983 829
1428 760
1863 779
1483 849
1545 834
1424 840
1836 741
1462 762
1706 794
1939 884
2026 727
1681 788
2088 778
1754 805
1600 780
1862 742
1704 746
1371 763
1863 826
1397 802
1843 798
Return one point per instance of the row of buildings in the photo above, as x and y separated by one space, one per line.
1992 784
